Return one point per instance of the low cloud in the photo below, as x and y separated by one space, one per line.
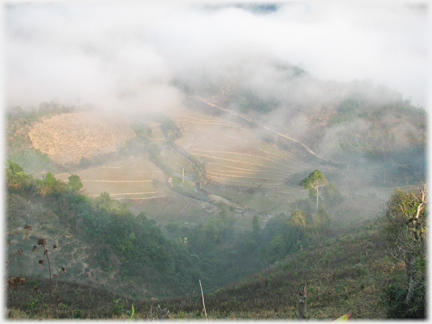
121 57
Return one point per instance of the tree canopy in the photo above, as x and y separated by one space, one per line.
75 182
405 227
314 180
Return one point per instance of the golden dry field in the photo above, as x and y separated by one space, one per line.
67 138
232 154
234 157
132 178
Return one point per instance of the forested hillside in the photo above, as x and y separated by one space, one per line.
256 194
216 160
99 242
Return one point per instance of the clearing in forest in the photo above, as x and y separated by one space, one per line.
67 138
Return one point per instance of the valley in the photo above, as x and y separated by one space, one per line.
231 155
202 192
215 161
254 195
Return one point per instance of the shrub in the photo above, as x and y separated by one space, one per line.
393 300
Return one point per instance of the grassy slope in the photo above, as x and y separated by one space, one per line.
79 254
342 274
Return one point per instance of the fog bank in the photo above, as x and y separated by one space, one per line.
125 56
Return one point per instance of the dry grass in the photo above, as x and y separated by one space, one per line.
234 155
128 178
69 137
342 274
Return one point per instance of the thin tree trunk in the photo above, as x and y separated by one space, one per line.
410 288
302 303
317 197
411 273
49 267
202 295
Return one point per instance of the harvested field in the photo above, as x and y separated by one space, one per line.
67 138
256 159
127 179
120 189
233 155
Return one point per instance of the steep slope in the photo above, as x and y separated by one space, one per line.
67 138
99 242
347 273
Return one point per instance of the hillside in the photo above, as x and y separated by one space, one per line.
101 244
342 274
88 246
234 157
146 205
67 138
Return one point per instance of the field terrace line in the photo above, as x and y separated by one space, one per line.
220 134
252 170
249 171
251 155
265 127
130 193
237 161
238 176
116 180
255 147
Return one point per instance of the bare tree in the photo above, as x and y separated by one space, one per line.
405 227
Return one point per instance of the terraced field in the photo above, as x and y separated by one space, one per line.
133 178
233 155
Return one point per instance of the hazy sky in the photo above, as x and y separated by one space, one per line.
118 56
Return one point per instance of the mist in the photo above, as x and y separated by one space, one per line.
160 145
126 57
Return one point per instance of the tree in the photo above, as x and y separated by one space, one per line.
75 182
314 180
321 218
332 196
50 185
15 174
298 219
405 228
255 224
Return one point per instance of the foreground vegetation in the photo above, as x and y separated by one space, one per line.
342 274
72 256
350 270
